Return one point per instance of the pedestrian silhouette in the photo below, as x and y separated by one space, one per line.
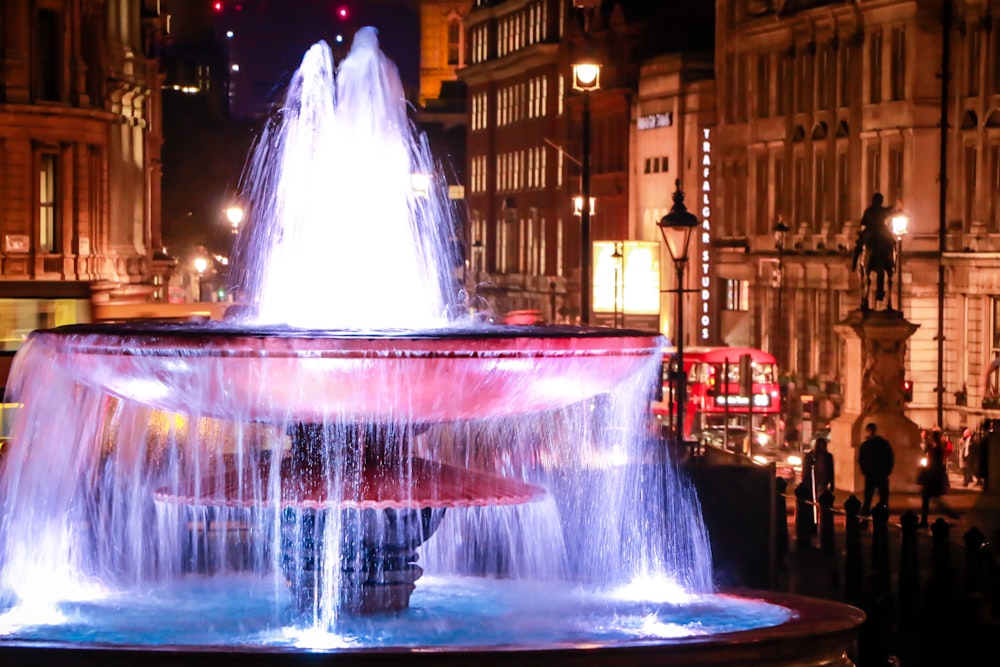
817 469
876 459
933 478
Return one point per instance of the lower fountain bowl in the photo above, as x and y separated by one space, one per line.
818 632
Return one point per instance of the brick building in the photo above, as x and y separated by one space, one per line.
80 171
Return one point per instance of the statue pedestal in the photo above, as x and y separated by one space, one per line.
873 393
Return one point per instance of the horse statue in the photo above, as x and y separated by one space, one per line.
875 253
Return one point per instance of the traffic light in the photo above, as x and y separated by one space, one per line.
343 13
907 391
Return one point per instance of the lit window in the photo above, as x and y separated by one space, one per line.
47 241
737 295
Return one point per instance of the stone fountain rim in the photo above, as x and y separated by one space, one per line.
818 630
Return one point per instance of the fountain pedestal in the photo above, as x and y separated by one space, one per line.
873 393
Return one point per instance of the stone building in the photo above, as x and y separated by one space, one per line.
442 45
80 171
821 104
525 145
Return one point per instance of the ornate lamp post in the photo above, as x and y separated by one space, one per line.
679 219
780 233
900 225
586 79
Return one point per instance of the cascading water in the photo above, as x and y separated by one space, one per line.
274 480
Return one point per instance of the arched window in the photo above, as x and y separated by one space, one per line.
454 40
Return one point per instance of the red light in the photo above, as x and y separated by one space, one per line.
217 6
342 13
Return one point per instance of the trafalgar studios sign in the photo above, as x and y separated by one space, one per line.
705 273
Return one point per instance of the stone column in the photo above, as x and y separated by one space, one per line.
873 393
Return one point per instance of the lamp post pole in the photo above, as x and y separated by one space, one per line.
681 220
900 224
586 252
780 231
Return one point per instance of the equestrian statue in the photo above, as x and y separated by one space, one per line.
875 253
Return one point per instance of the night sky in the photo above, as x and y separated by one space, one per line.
273 35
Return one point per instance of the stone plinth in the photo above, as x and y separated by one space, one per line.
873 393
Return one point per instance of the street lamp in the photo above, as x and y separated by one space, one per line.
586 79
900 224
780 233
679 219
234 214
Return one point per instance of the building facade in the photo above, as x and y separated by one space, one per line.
80 167
822 104
525 147
442 45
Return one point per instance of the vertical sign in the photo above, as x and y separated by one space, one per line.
705 317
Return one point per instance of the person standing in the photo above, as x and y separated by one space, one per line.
817 469
967 456
934 478
876 459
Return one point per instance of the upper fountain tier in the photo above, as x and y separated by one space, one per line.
280 374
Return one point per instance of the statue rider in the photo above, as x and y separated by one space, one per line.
873 227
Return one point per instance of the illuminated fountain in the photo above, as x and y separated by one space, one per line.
268 484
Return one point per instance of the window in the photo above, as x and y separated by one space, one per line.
875 68
819 190
780 187
763 85
760 195
48 79
799 189
786 84
897 73
843 184
805 80
969 190
895 188
874 167
454 41
995 60
994 188
737 295
975 40
47 239
844 82
994 378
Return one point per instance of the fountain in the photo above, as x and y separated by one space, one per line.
352 465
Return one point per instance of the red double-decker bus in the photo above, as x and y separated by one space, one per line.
727 387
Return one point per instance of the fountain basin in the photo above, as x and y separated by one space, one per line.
277 374
817 632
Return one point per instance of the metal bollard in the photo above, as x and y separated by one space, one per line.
805 524
852 551
827 534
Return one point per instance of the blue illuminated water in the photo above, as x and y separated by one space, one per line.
204 611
